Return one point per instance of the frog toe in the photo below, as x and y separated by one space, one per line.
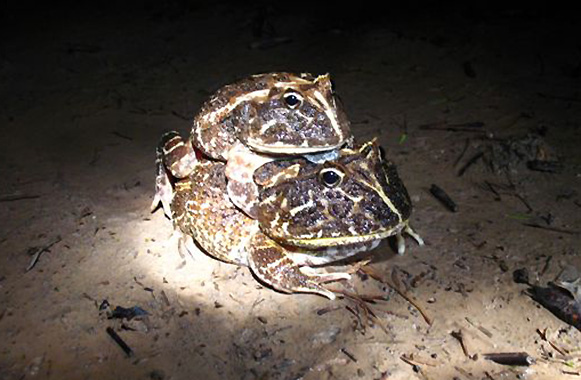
163 192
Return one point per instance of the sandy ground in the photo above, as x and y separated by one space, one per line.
86 94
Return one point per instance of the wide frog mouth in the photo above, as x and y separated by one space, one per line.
333 241
290 149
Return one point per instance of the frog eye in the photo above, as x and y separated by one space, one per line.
331 177
292 99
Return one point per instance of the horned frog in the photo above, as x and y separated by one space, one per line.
308 214
250 122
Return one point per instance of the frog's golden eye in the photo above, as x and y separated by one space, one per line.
331 177
292 99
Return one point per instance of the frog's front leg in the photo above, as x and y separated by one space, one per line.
270 262
401 241
177 157
240 167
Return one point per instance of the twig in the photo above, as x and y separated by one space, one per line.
490 187
510 358
552 229
371 273
369 313
464 372
558 97
468 69
443 197
349 354
464 150
543 335
357 316
546 266
165 298
524 202
545 166
17 197
459 335
179 115
410 359
416 367
128 351
488 375
480 328
120 135
470 162
39 252
328 309
462 127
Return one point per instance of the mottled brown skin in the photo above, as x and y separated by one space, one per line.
258 112
367 199
251 122
346 218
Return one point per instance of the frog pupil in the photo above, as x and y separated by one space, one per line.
330 178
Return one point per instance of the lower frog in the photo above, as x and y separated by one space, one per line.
309 214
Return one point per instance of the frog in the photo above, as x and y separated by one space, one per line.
309 214
251 122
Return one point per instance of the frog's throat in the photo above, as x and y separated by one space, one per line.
340 240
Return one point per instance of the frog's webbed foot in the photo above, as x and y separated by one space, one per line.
269 262
163 191
177 157
401 241
186 245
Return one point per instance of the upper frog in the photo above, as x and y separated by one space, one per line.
273 113
251 122
308 214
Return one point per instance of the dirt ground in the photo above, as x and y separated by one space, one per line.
86 94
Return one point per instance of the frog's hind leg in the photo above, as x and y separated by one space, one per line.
177 157
270 263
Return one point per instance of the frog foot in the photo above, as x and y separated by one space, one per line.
186 245
270 263
401 242
174 155
163 191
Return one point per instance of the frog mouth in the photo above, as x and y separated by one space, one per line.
320 242
289 149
